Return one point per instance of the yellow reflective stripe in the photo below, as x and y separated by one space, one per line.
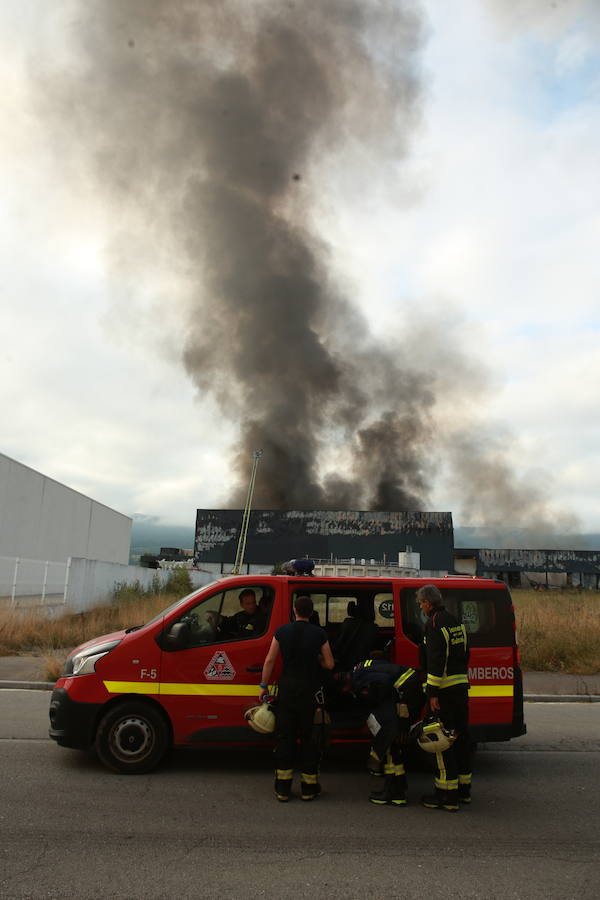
447 639
441 767
367 662
147 687
452 680
284 774
399 769
445 785
132 687
400 681
491 690
309 779
432 727
465 779
446 681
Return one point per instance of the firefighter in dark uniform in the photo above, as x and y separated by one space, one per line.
305 651
394 696
445 659
250 621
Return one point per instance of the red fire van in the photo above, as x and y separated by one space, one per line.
183 679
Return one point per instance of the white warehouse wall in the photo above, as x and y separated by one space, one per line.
43 519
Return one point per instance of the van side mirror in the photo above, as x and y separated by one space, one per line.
178 636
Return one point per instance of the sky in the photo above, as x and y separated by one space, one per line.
491 233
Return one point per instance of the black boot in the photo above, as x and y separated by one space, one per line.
310 787
283 785
446 800
398 790
392 794
464 793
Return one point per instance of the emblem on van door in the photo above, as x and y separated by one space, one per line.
386 609
219 668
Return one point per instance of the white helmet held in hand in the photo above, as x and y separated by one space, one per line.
261 719
433 737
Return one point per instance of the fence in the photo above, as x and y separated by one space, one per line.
76 585
32 582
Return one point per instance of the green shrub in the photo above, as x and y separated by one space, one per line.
178 582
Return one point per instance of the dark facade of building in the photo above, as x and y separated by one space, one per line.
532 568
274 536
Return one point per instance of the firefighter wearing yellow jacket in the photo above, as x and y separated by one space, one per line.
445 659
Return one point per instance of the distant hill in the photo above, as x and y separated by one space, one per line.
148 536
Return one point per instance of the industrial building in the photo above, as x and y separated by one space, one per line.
41 519
532 568
379 540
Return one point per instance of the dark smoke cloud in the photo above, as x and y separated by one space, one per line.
209 127
209 120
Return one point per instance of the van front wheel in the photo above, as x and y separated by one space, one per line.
132 738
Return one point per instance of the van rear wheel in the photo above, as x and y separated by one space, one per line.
132 738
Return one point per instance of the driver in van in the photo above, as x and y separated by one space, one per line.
250 620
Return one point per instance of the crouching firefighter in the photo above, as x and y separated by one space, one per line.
394 697
445 656
305 652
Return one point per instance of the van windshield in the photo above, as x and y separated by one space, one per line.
174 605
486 614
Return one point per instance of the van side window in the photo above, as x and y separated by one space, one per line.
486 614
358 619
236 614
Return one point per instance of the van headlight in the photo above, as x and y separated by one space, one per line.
84 662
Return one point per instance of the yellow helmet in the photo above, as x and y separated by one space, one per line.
434 738
261 719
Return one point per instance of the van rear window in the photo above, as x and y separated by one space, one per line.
486 614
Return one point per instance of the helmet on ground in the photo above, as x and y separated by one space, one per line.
433 737
261 718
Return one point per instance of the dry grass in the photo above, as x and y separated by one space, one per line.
54 662
32 632
559 631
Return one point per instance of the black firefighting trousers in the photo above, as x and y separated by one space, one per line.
386 756
294 714
454 765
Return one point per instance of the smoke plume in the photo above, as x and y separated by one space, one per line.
209 121
210 127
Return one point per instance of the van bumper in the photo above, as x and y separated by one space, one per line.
72 723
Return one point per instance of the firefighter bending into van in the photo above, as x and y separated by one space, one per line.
305 651
445 659
394 698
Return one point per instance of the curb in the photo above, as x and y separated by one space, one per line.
561 698
27 685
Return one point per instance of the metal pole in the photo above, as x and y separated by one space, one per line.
14 584
45 581
241 547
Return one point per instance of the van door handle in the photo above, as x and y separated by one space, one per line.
256 668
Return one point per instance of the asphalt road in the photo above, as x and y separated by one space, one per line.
205 824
